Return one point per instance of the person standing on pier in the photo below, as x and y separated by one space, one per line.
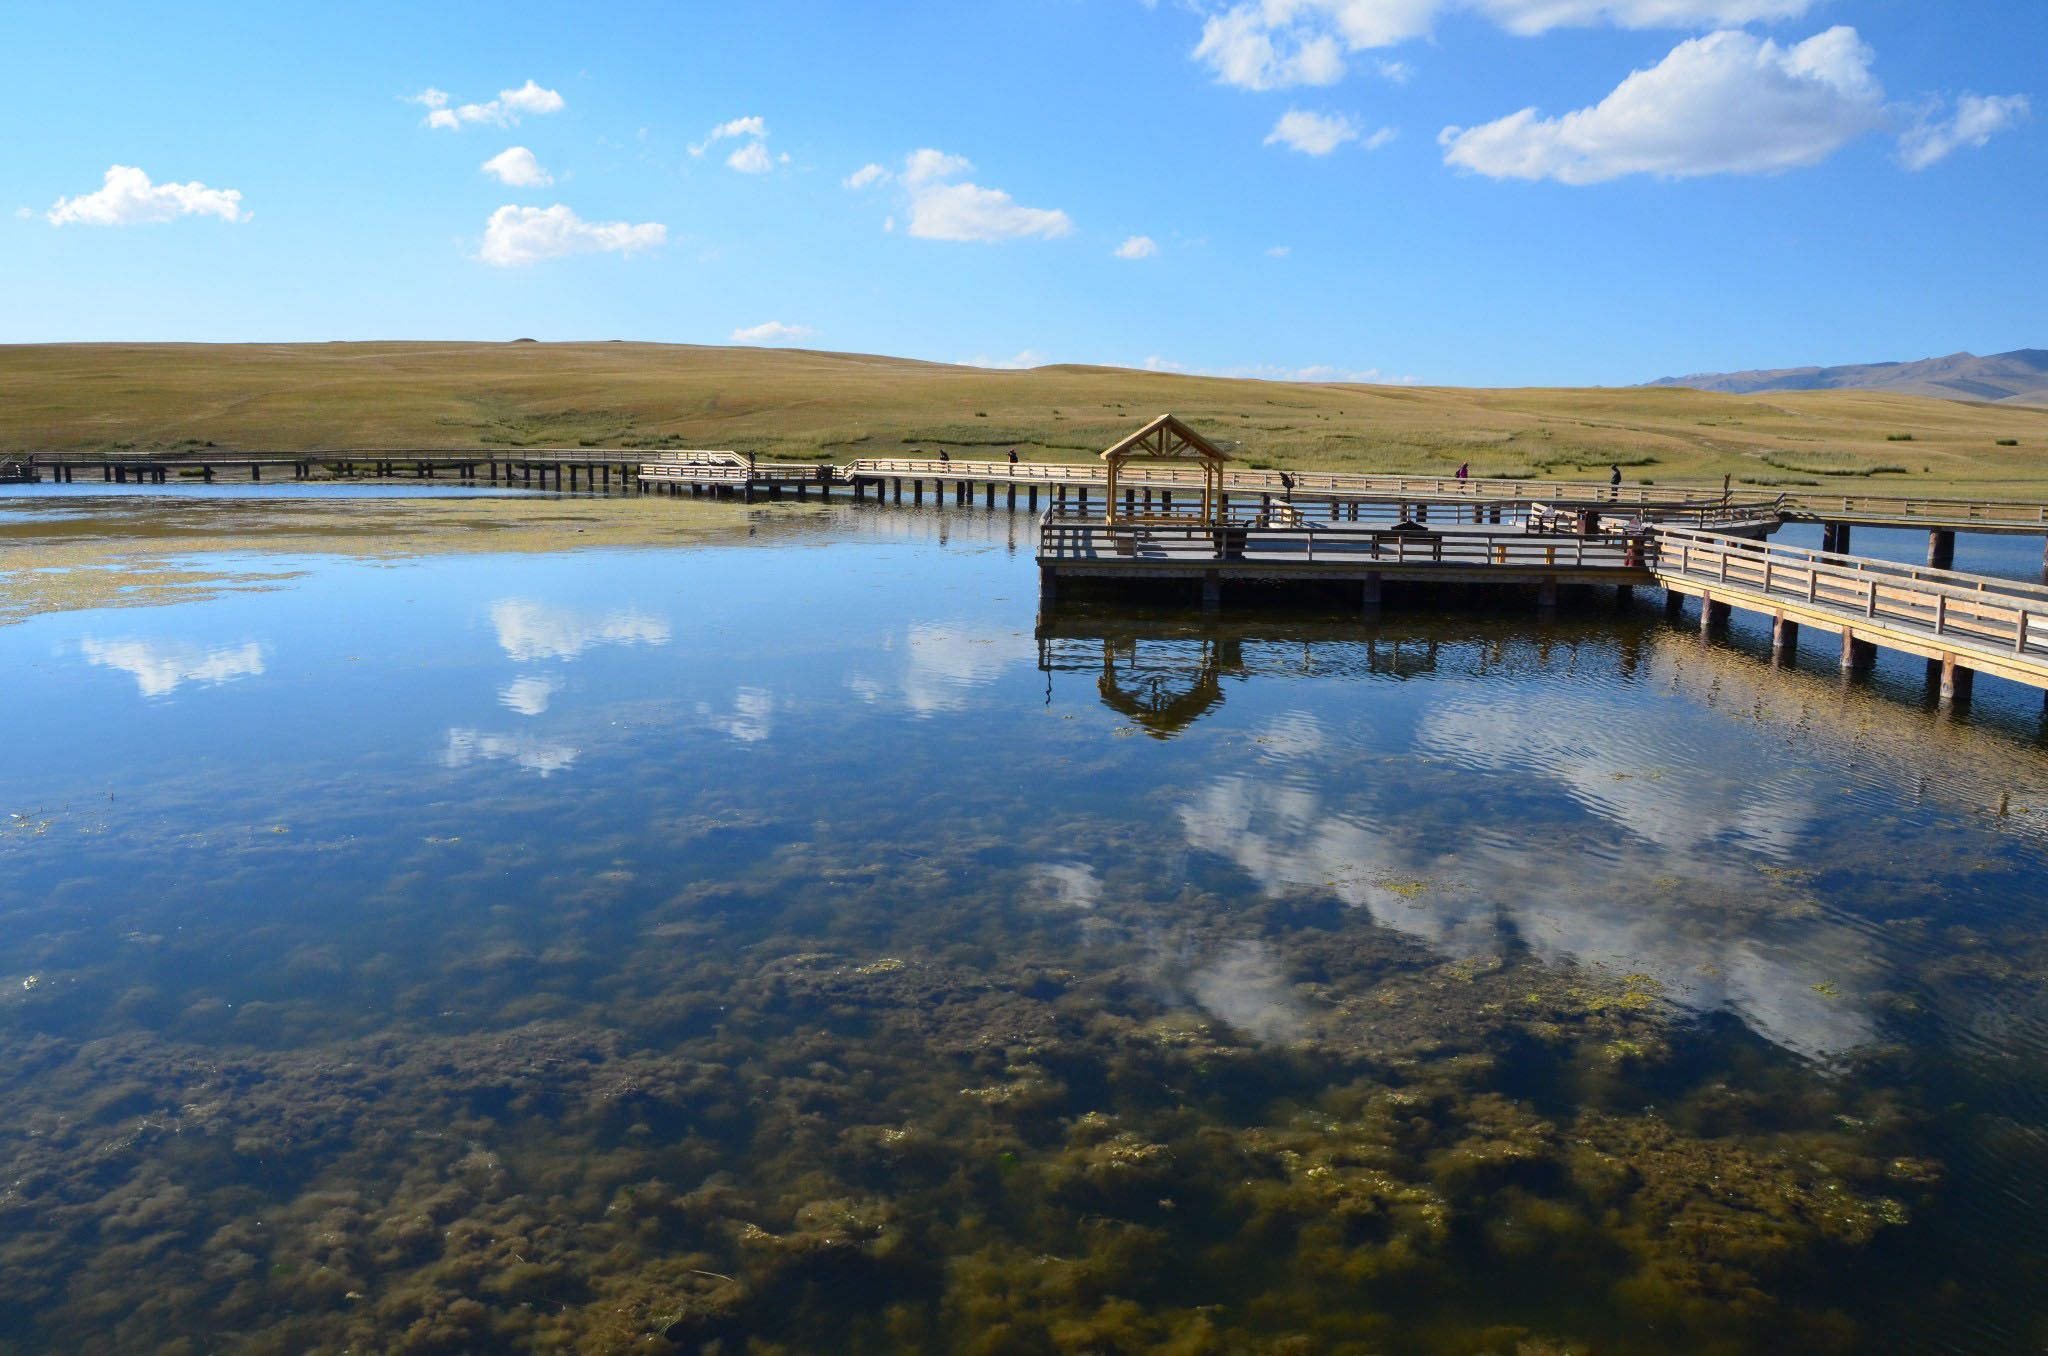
1013 456
944 456
1614 481
1464 469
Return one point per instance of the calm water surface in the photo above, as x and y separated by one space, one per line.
790 944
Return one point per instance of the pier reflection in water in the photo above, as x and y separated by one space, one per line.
798 947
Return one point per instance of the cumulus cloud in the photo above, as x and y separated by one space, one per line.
944 210
752 158
970 212
738 127
126 197
1727 103
1312 133
502 111
923 166
1977 119
771 332
1273 44
517 166
1138 247
516 236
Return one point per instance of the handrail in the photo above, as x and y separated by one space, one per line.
1956 580
1961 610
1070 538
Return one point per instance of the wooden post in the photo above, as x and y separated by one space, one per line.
916 491
1011 503
1784 640
1369 595
1034 498
991 497
1546 594
1941 550
1212 591
1857 655
1955 683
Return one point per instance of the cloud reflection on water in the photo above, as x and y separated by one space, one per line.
529 694
1713 935
751 719
161 667
527 752
941 663
529 630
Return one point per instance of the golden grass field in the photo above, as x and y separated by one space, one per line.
792 404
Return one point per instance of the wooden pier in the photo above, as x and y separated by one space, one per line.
1160 509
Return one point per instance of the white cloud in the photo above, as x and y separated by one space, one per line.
1727 103
162 667
128 198
502 111
1138 247
770 332
25 213
865 175
531 98
1395 72
1312 133
738 127
1977 118
516 236
1379 138
971 212
1273 44
923 166
517 166
1279 252
753 158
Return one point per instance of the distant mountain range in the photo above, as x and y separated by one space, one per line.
2020 377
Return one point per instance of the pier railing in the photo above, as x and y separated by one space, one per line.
1069 539
1908 511
1965 608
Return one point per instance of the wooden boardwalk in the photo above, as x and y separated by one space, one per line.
1962 622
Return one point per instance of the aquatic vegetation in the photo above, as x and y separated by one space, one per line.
875 1014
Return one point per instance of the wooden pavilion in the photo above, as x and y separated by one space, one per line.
1167 440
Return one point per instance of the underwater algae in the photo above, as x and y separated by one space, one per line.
815 1150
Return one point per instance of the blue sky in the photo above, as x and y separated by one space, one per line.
1470 192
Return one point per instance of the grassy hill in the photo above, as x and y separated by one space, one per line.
835 406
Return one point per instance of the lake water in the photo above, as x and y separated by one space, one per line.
784 942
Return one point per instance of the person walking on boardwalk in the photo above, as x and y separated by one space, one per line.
1464 469
944 456
1614 481
1013 456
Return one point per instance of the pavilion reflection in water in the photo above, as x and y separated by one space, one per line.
1164 675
